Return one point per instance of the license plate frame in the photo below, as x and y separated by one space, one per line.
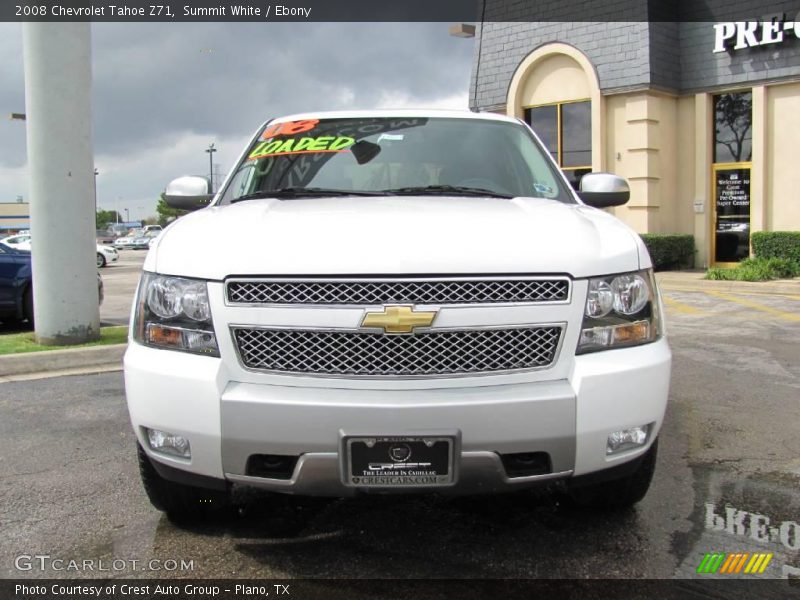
430 460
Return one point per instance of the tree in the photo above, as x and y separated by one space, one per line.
104 217
733 119
166 213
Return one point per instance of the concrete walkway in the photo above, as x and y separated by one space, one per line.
693 281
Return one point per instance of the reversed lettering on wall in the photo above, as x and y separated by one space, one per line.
737 35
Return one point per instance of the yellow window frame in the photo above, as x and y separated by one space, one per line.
559 136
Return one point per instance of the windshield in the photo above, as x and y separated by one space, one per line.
378 156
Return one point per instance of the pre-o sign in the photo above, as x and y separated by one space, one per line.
748 34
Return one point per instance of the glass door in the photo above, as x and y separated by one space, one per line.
730 177
731 197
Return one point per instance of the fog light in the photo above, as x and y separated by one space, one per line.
168 443
627 439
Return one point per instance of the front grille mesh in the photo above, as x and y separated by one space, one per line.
351 353
455 291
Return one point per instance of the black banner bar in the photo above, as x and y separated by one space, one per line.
467 11
392 589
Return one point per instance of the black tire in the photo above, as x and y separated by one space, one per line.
101 261
27 305
618 493
181 502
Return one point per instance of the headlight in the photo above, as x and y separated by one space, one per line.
631 294
174 313
621 310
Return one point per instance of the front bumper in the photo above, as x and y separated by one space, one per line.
226 421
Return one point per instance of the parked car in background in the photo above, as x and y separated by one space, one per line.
16 291
142 242
117 230
126 241
16 301
21 241
104 236
155 228
105 255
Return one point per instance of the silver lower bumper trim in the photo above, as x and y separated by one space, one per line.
319 474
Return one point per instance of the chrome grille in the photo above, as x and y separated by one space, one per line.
405 291
354 353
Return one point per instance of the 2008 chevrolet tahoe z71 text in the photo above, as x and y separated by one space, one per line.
408 301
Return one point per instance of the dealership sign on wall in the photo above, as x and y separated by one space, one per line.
737 35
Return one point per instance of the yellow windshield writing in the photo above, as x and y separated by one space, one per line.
303 145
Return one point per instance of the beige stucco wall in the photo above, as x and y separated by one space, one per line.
644 132
662 145
557 78
684 162
782 190
556 73
14 209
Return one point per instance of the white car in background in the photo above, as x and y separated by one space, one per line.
105 255
21 241
127 241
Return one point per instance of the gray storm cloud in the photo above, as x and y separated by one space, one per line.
156 84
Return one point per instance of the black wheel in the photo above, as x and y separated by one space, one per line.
101 261
180 502
27 305
618 493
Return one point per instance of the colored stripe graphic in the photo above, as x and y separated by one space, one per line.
711 562
729 566
736 563
763 567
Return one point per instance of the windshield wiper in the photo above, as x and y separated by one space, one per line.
302 192
453 190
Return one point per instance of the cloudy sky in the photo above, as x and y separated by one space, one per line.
163 92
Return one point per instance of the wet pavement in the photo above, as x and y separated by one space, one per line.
727 480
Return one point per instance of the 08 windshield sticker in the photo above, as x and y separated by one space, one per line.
289 128
304 145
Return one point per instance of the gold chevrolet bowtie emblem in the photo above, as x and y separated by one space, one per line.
398 319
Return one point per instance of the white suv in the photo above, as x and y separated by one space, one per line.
408 301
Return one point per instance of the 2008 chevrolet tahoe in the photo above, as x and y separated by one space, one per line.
407 301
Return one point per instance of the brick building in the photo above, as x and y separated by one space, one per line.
701 116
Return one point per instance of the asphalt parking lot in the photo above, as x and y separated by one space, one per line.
120 280
727 479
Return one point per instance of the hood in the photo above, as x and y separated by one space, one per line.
395 235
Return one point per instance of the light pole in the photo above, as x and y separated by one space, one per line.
211 151
58 97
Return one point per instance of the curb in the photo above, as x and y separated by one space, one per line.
692 283
57 360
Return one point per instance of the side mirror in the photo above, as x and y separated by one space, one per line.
602 190
188 193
